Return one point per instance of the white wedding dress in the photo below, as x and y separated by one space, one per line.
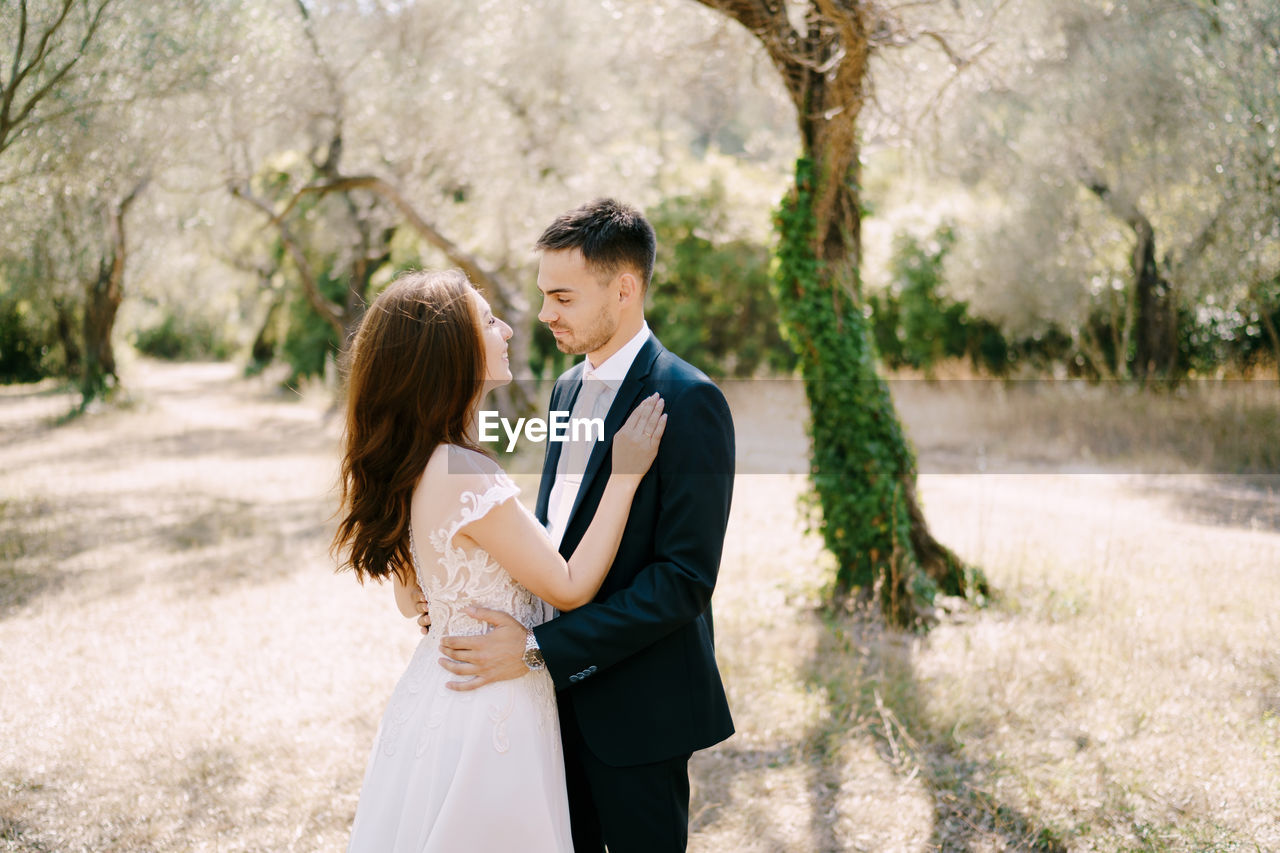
473 771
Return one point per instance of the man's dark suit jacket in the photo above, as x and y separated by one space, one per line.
638 662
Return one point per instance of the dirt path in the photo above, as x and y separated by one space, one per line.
183 671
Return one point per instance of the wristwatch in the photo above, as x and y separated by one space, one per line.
532 654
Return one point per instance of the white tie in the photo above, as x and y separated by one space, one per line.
593 402
588 405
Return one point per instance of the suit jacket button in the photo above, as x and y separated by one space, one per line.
575 678
590 670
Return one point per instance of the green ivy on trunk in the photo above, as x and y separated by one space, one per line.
862 467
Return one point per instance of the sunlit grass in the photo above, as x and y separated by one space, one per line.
182 670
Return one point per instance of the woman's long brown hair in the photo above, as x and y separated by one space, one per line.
416 371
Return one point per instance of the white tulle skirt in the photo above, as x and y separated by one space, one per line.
471 771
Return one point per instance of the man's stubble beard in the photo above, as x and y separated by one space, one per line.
594 338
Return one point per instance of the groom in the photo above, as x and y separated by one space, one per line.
635 669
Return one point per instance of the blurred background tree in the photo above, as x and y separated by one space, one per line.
711 300
81 134
917 325
1118 166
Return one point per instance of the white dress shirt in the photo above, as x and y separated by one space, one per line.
600 383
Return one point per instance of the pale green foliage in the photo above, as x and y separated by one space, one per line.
490 118
1164 105
98 134
494 117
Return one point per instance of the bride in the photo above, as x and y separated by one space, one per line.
424 505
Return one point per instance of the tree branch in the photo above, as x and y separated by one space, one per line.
335 88
470 264
116 216
325 309
1198 244
848 22
10 122
42 48
767 20
22 45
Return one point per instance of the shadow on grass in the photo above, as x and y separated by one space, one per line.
18 587
1250 502
207 793
715 773
197 543
866 677
262 438
866 674
29 555
259 434
28 411
212 780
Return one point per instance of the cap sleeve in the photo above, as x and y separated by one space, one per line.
482 485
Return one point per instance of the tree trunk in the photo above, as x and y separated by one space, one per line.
263 348
863 468
324 309
103 295
1155 341
64 325
101 302
1155 334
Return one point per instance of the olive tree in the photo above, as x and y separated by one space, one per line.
1131 150
863 467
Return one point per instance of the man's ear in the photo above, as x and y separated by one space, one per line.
628 287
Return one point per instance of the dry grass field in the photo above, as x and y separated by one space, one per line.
181 670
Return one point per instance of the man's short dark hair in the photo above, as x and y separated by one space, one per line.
609 234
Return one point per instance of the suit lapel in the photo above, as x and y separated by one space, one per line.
628 391
568 388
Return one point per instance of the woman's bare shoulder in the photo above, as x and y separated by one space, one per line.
455 469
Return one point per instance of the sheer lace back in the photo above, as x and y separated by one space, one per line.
458 487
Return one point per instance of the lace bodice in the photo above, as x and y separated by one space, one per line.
454 577
458 487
